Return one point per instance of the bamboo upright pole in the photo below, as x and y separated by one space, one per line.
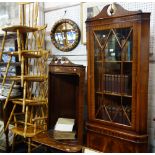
36 14
22 71
24 16
6 72
27 40
26 118
8 96
3 44
19 44
24 96
32 14
29 14
10 117
31 114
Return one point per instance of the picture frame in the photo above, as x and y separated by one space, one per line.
88 10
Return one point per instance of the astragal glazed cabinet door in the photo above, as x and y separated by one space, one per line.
113 75
117 59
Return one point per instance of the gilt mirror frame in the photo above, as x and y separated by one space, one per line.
65 35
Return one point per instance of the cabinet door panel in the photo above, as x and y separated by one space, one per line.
113 75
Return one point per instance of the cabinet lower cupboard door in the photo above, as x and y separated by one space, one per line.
118 49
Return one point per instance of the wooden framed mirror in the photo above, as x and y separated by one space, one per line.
65 35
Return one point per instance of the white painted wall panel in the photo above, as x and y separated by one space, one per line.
72 13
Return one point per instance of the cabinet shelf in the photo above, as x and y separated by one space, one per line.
100 61
114 94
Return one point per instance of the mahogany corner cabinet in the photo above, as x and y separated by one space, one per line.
118 67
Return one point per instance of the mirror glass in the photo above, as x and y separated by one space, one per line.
65 35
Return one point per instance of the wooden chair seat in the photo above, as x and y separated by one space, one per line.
21 28
28 124
28 78
33 78
28 53
32 102
29 133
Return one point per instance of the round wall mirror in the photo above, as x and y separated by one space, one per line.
65 35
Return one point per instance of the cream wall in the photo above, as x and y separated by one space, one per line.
79 54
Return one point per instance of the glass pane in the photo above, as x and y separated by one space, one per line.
98 51
127 105
113 75
98 77
110 108
100 40
124 36
112 68
112 49
127 73
112 78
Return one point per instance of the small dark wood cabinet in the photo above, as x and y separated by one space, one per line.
66 82
66 96
118 67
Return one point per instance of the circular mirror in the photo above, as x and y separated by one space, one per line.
65 35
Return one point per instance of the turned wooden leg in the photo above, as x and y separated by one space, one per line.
29 145
13 143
